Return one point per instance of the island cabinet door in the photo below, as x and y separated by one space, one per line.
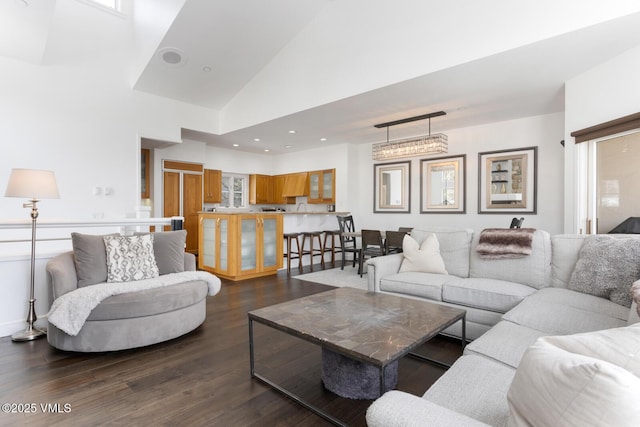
248 244
214 243
260 243
271 242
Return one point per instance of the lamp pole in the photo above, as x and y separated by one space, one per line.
31 333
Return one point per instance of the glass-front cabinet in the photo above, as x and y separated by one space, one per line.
322 186
239 246
214 243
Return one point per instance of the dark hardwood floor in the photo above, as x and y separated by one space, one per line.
200 379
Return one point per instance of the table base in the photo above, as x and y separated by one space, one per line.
353 379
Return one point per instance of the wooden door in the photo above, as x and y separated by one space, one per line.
171 193
191 205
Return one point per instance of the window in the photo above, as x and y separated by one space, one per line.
612 191
106 5
234 190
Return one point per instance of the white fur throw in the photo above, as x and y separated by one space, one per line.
71 310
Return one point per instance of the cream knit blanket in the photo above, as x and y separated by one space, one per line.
71 310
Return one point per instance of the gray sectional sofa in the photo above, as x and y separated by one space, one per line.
520 311
487 289
128 314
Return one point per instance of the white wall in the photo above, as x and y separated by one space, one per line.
545 132
607 92
77 116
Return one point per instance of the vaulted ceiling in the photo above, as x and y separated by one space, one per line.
331 69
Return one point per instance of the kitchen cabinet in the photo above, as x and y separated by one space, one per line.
182 196
322 186
260 189
240 246
212 186
296 184
214 243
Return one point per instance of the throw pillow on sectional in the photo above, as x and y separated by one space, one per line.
607 267
423 257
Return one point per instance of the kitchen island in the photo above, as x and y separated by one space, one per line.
242 245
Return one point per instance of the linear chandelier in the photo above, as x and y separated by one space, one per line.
415 146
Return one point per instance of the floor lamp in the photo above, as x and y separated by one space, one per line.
34 185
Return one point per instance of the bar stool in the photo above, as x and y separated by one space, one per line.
329 244
313 251
291 254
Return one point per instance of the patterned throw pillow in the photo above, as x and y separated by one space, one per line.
130 258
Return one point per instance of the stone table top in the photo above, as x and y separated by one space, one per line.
371 327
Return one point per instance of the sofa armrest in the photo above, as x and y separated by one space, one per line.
381 266
61 270
189 262
400 409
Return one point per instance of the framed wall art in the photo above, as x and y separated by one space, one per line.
507 181
442 185
392 187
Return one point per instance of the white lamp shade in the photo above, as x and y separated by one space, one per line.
32 184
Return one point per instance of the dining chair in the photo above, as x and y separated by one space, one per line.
405 229
372 246
348 243
393 241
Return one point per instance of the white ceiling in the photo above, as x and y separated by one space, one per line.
521 82
239 40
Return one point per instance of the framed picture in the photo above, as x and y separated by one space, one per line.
392 187
507 181
442 185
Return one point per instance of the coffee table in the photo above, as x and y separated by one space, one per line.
373 328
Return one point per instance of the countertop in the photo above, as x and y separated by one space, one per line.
276 212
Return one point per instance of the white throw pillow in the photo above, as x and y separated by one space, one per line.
130 258
556 386
425 257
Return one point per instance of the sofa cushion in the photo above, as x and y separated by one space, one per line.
533 270
487 294
560 311
565 250
425 285
607 267
506 342
556 384
424 257
455 245
476 387
168 248
620 346
130 258
90 257
150 302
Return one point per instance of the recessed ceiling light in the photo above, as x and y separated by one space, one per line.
266 150
172 56
236 145
287 146
206 69
323 139
292 131
256 139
